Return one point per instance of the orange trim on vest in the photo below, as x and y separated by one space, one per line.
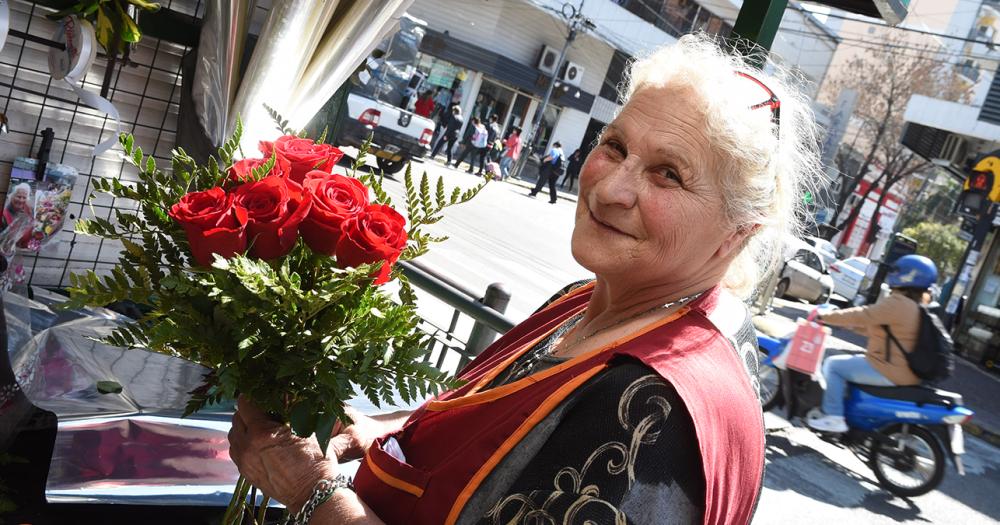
572 293
475 397
536 417
390 480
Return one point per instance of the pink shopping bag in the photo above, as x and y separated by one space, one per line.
805 350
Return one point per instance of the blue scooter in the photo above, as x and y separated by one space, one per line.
900 432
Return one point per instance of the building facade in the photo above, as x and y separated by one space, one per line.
498 54
953 134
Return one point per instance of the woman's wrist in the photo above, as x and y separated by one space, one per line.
322 493
325 470
345 508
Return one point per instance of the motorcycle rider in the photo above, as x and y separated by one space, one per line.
883 363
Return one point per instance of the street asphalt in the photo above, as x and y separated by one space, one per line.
504 236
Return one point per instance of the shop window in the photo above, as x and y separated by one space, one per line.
444 75
546 126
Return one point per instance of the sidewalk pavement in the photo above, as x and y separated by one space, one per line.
980 389
527 180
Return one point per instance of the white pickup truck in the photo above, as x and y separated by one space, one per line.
397 135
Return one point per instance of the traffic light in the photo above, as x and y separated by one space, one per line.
986 176
981 185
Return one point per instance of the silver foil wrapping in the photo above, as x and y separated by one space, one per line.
287 41
216 76
359 26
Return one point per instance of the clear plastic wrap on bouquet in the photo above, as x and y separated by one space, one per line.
118 447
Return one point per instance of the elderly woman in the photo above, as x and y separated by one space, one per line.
18 203
631 399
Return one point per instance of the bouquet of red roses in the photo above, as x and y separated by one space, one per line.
268 272
291 193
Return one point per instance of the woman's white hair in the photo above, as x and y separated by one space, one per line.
764 172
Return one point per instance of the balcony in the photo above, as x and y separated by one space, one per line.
954 117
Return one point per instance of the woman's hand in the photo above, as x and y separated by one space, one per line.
284 466
352 441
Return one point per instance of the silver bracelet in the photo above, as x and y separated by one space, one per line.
321 493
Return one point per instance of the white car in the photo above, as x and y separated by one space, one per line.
847 276
825 249
804 275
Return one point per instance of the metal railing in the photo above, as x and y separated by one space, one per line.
486 310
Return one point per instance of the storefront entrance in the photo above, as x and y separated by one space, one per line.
510 107
545 127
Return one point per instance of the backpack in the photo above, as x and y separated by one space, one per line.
932 359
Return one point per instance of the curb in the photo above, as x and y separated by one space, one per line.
985 434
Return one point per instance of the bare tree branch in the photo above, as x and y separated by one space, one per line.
885 82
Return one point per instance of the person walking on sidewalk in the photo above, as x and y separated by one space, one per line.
884 363
573 165
442 99
549 172
451 127
512 150
476 145
492 136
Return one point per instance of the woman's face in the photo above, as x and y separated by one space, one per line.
20 199
650 207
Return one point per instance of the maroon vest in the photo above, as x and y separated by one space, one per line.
453 442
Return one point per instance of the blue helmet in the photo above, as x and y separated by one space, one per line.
912 271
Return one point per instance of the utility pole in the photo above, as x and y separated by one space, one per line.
576 22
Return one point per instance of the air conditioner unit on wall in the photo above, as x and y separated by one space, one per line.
954 150
547 60
572 74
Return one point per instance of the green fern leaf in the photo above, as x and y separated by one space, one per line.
439 193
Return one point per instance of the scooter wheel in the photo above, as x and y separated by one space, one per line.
908 464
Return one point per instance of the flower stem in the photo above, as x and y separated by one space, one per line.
234 513
227 517
262 513
252 504
241 508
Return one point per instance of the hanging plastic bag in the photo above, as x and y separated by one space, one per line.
805 350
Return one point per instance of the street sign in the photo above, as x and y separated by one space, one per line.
967 229
892 11
758 21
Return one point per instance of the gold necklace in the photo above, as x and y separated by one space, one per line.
562 348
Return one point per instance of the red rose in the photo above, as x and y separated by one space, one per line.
303 155
377 234
273 216
335 198
242 170
213 224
